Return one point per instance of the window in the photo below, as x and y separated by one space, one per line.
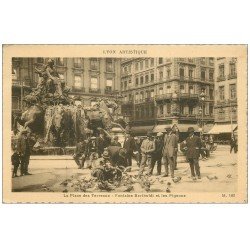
168 108
232 69
191 110
182 109
152 62
191 89
211 109
147 94
109 84
160 60
136 66
222 70
161 91
161 75
77 62
60 61
181 71
141 80
168 73
202 60
141 65
161 111
211 94
136 96
93 83
168 89
232 89
203 75
93 64
182 89
146 63
152 76
190 74
109 65
221 93
146 79
136 81
152 93
211 61
77 81
125 85
221 113
142 96
211 75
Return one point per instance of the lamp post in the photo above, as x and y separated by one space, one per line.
201 110
231 116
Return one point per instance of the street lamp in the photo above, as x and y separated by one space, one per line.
201 110
232 109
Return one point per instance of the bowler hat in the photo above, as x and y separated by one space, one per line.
190 129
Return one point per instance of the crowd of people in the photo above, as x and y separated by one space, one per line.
151 151
160 149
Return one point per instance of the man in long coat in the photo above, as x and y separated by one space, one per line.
193 145
170 148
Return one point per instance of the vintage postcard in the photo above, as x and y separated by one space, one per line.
125 124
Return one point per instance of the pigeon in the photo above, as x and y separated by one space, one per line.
168 190
169 183
176 179
128 189
229 176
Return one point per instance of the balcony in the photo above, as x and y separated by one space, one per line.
109 91
221 78
163 97
232 76
94 91
129 102
78 89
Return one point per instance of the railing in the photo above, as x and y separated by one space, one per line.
94 90
221 78
163 96
232 76
78 89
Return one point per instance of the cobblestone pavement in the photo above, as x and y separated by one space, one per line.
219 174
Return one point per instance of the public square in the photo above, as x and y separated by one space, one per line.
218 174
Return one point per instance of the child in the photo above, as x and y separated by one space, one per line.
15 160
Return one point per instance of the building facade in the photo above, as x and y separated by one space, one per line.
87 77
161 91
225 108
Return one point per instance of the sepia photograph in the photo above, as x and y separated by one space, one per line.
121 127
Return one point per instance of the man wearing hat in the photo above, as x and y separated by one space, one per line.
80 153
170 148
157 154
147 149
115 141
129 146
193 145
23 148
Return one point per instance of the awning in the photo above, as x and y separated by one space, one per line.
182 127
141 130
207 128
222 129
